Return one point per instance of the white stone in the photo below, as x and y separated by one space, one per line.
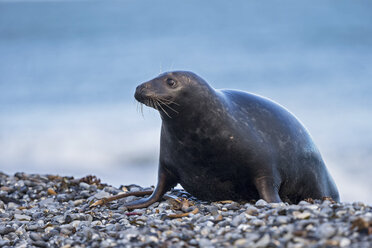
345 242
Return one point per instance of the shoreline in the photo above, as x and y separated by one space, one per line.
50 211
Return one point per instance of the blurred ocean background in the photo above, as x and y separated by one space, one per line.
68 70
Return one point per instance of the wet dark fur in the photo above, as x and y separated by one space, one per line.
228 144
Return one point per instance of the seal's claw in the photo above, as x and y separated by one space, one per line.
106 200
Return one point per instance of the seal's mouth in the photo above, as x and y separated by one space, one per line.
163 105
142 96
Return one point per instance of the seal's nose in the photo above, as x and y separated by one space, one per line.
138 94
142 92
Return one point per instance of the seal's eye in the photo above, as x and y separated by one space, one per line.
171 83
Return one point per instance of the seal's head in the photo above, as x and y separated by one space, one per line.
171 92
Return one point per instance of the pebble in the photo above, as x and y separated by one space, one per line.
84 186
22 217
35 236
241 243
41 219
205 242
101 194
33 227
12 205
251 210
345 242
263 242
301 216
232 206
282 220
78 202
261 203
4 243
237 220
46 202
326 231
6 229
40 243
212 209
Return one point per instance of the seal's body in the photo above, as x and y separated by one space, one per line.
227 144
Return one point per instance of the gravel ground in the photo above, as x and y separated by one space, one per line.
54 211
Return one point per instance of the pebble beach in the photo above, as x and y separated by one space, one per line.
55 211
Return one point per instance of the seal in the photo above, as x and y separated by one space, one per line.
230 144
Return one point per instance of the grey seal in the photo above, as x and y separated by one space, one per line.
230 144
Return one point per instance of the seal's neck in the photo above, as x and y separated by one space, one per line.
197 115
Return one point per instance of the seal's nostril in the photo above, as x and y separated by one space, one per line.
138 93
139 89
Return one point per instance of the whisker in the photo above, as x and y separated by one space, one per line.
153 104
157 103
141 108
163 110
167 105
168 101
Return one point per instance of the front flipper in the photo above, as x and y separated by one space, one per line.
165 183
268 189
